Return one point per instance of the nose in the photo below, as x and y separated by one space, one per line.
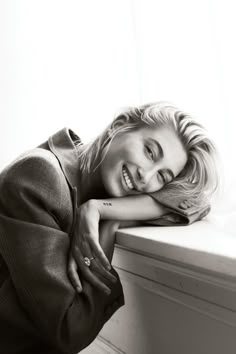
146 175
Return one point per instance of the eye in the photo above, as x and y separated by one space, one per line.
150 152
164 178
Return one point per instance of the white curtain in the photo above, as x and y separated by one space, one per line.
74 63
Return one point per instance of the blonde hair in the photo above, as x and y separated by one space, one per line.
200 174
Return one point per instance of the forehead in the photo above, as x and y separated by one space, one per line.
161 133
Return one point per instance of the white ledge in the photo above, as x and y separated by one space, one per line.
201 245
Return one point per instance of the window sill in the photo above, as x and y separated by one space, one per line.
201 246
180 289
198 260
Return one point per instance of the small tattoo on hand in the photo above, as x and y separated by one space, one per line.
107 203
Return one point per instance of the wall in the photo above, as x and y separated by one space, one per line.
76 63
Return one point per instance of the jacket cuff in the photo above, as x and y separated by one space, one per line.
178 216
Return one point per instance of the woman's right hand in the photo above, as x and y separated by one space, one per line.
85 243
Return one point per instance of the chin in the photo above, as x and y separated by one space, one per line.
115 194
113 191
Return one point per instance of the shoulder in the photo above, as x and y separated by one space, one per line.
33 188
36 171
31 158
37 162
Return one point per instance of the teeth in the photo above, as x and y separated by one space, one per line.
127 179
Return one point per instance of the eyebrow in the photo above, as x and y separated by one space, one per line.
161 153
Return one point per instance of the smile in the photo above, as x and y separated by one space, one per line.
127 179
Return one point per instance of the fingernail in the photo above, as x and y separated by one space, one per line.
108 267
79 289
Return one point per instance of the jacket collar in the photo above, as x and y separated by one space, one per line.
65 146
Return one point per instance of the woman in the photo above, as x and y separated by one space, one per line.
153 164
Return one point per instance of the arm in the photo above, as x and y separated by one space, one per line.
35 250
86 241
126 211
157 208
136 207
123 212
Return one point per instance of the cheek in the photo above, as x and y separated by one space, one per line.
110 166
128 152
154 185
135 153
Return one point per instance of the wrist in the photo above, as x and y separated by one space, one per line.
94 205
104 208
90 209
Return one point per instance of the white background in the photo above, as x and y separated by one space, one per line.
75 63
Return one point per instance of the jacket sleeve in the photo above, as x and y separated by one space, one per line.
35 250
178 216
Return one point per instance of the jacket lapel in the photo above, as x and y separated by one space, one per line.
65 146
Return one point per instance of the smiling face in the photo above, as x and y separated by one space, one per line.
142 161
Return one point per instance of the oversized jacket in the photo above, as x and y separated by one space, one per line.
40 312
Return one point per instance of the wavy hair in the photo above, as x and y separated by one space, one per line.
200 174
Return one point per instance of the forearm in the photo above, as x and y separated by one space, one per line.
136 207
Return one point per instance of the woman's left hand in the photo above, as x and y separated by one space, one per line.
85 243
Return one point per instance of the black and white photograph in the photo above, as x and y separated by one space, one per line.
117 177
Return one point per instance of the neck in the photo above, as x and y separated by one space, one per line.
91 186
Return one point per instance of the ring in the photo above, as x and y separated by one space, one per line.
87 261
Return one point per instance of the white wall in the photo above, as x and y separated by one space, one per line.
74 63
63 63
186 54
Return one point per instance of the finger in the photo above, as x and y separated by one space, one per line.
99 253
98 267
93 278
93 240
85 270
73 275
95 281
189 203
183 205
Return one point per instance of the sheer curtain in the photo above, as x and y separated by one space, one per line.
74 63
